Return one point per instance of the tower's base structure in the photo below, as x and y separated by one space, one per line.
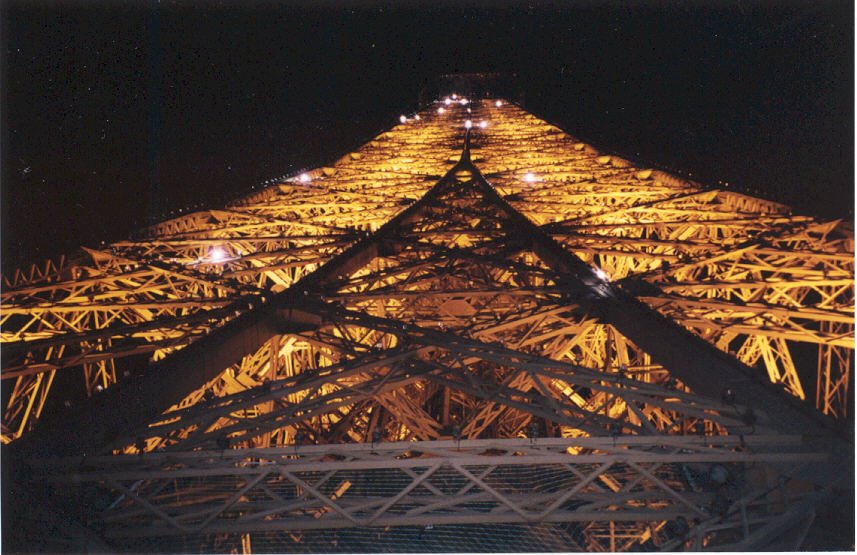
483 336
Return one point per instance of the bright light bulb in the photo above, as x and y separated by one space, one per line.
441 110
498 104
468 124
454 97
447 101
483 124
469 111
304 178
463 102
529 178
403 119
217 254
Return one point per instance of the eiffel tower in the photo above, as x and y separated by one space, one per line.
474 333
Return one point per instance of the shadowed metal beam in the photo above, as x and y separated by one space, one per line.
704 368
142 397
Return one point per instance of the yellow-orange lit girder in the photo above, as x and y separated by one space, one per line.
744 273
449 327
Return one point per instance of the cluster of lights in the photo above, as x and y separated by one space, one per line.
404 119
454 98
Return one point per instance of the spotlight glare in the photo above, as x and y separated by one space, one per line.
468 124
417 117
498 103
441 110
454 96
529 178
447 101
403 119
217 254
601 274
483 124
304 178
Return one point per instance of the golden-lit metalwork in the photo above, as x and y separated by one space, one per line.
481 305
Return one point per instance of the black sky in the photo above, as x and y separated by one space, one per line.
115 114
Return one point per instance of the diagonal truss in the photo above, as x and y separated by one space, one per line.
575 483
528 333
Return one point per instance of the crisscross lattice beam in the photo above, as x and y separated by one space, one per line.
524 334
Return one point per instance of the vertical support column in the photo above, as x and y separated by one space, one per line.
834 374
446 399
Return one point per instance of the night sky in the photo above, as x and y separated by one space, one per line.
115 114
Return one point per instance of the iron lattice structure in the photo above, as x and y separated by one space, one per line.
473 337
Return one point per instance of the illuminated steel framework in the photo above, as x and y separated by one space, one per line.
476 320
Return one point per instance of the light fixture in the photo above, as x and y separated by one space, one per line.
403 119
498 103
483 124
304 178
216 255
468 124
447 101
454 96
441 110
417 117
463 101
601 274
529 178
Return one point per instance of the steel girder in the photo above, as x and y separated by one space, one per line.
641 481
390 297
